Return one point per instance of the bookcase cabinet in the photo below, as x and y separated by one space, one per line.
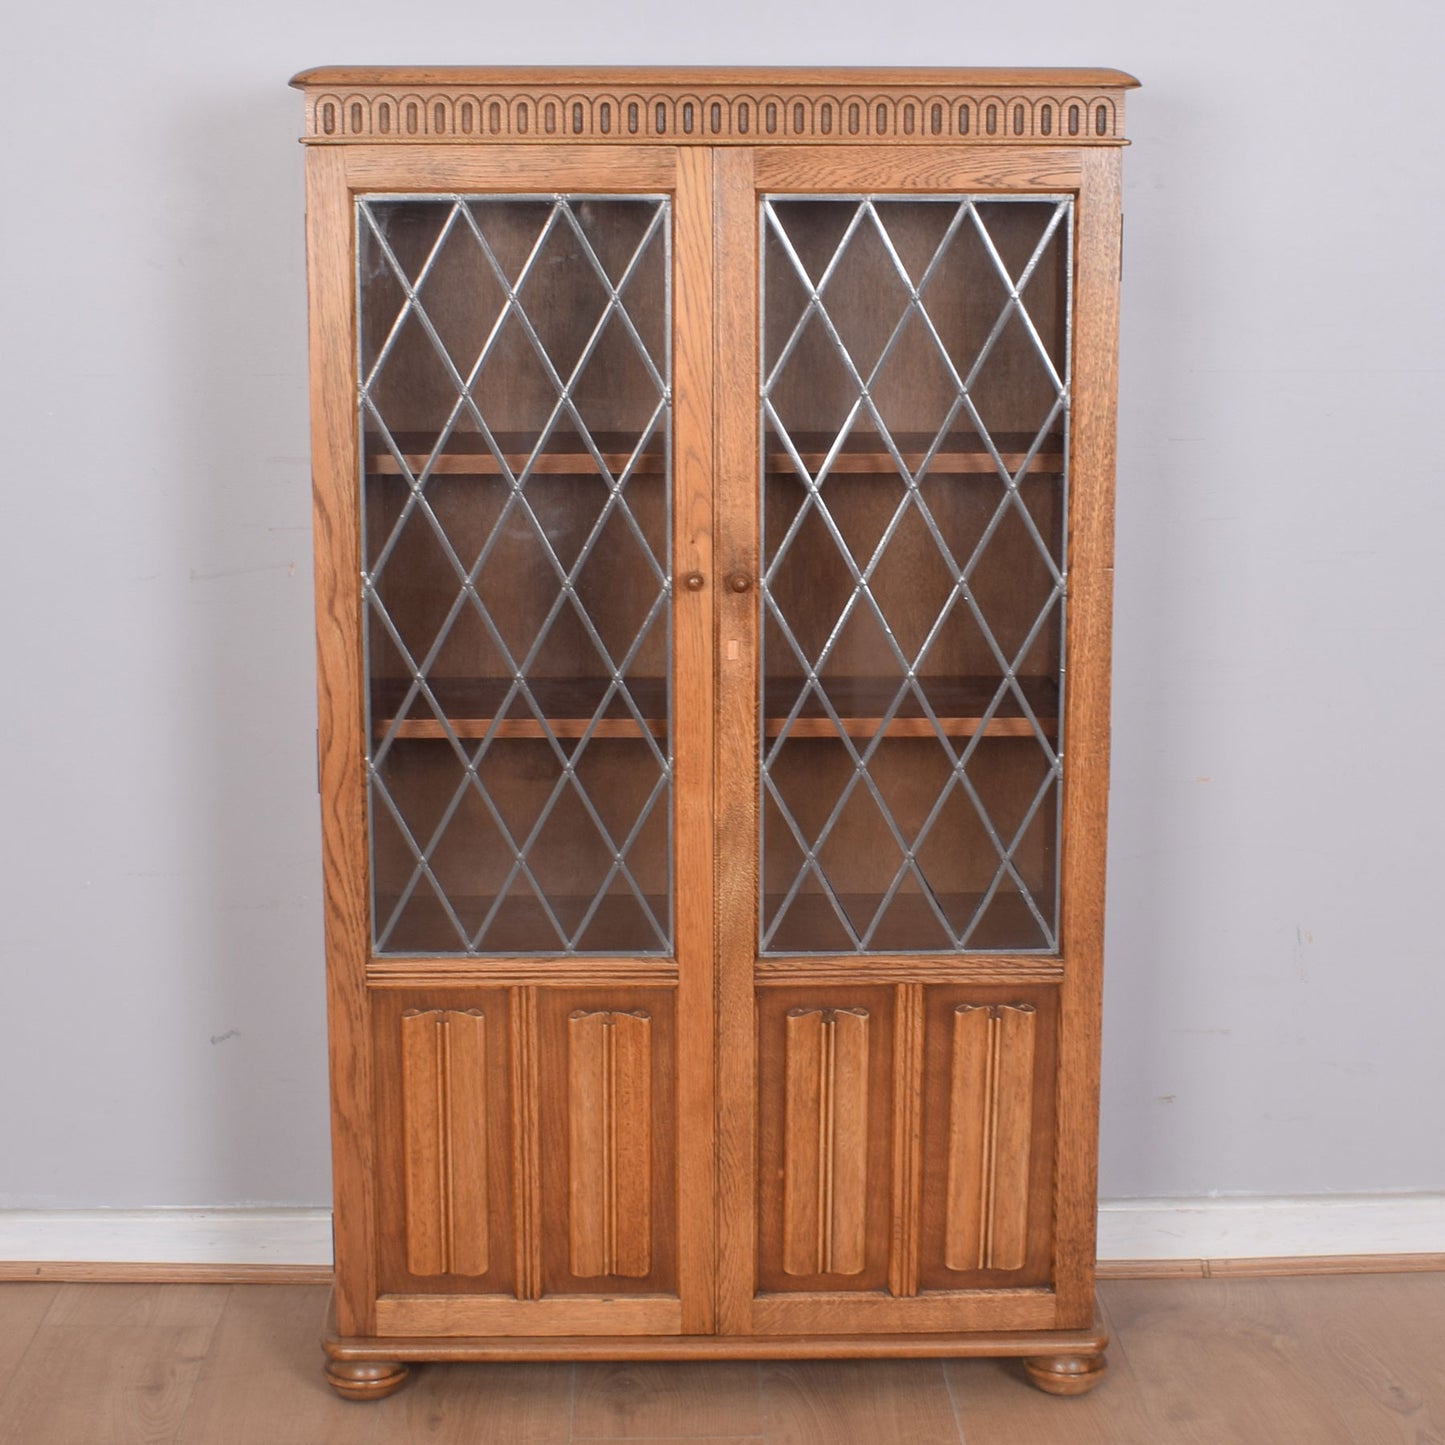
713 514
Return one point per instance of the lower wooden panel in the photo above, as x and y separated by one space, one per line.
824 1118
990 1108
575 1315
609 1164
444 1144
606 1111
444 1140
988 1137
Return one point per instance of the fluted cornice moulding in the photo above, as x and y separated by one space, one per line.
399 105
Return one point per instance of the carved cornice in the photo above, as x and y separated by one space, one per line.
776 113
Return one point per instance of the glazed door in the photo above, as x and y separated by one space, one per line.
892 642
529 941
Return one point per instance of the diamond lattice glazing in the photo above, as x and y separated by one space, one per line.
914 405
514 401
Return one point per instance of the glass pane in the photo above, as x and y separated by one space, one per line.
914 432
514 363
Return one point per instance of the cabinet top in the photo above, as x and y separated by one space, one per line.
706 106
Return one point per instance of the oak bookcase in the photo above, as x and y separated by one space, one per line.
713 516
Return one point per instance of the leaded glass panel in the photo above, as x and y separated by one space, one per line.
515 417
914 423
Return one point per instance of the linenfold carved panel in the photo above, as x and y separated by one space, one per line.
609 1117
825 1157
443 1062
990 1136
680 117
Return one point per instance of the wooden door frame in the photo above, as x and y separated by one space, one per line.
335 175
1092 176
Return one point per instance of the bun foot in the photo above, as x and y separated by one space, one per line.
1066 1374
364 1379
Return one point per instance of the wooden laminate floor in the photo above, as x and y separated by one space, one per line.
1338 1360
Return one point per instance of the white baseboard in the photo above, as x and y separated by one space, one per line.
168 1236
1257 1227
1234 1228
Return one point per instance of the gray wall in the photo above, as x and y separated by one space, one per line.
1274 960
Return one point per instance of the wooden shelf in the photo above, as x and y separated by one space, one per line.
958 702
959 453
467 454
471 706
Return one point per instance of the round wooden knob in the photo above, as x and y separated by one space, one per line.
739 582
693 581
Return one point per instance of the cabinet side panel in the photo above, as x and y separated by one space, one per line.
1086 725
336 539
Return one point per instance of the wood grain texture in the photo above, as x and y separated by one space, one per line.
908 1068
415 973
735 806
1248 1377
702 1143
500 169
1086 729
813 1401
825 1147
340 722
914 969
978 1343
634 1400
1324 1359
410 106
1386 1381
822 169
270 1335
694 710
609 1157
874 1313
988 1131
526 1143
607 1141
444 1110
182 1272
710 77
22 1312
991 1108
571 1315
112 1365
442 1060
824 1220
